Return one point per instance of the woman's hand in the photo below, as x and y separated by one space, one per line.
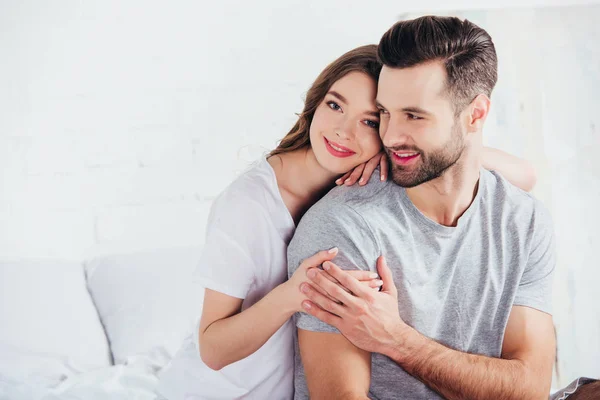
365 170
295 297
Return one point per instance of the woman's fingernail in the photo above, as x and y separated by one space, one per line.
304 288
311 273
347 180
306 305
361 180
333 250
338 181
374 275
379 283
326 266
383 177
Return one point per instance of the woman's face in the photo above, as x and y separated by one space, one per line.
345 128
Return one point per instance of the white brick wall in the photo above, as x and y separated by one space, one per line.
120 121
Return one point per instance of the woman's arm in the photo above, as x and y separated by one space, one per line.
516 170
228 334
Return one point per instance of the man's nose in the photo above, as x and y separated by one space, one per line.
396 133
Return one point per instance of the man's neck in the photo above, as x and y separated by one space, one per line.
445 199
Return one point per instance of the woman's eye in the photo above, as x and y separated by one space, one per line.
413 117
333 105
372 124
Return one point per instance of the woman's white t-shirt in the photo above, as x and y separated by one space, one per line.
244 256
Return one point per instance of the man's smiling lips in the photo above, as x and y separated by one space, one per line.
405 157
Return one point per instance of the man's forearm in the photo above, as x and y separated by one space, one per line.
458 375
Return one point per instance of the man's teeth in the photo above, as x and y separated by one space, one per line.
406 155
337 148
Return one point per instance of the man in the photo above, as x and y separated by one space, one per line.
464 311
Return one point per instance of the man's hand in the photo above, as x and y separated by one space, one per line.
368 319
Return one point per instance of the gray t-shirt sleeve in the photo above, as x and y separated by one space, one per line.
535 287
331 224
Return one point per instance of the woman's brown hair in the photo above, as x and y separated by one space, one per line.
362 59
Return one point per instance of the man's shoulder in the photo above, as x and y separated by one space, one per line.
350 200
504 197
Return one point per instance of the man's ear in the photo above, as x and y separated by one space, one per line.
478 111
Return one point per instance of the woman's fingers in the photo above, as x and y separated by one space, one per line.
383 167
319 258
355 175
341 180
369 168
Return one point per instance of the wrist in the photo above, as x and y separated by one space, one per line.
400 343
284 296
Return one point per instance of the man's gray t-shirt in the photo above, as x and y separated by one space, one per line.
456 285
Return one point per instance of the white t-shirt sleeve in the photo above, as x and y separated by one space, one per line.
228 262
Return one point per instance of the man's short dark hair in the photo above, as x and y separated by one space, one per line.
466 51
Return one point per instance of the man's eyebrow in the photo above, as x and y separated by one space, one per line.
416 110
339 96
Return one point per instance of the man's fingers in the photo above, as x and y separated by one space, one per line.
335 291
386 276
373 283
323 302
348 281
363 275
320 289
314 310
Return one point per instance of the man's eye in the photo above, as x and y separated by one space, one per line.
382 111
333 105
413 117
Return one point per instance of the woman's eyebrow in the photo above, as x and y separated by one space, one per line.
339 96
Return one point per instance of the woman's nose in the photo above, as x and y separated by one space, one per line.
346 131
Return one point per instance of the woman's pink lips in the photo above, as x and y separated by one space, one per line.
336 153
404 160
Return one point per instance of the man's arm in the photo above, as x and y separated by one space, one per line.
334 367
524 372
370 320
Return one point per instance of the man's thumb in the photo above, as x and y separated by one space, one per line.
386 275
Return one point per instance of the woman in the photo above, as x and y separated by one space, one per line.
243 346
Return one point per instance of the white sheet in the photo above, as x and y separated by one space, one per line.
135 380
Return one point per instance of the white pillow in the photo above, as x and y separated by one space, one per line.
49 328
146 301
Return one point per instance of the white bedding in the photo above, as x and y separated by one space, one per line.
119 382
135 380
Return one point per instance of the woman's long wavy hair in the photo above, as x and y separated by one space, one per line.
362 59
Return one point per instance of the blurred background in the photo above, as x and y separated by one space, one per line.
121 121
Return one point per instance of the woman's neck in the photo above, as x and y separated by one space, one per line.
302 181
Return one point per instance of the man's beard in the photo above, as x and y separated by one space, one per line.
429 166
